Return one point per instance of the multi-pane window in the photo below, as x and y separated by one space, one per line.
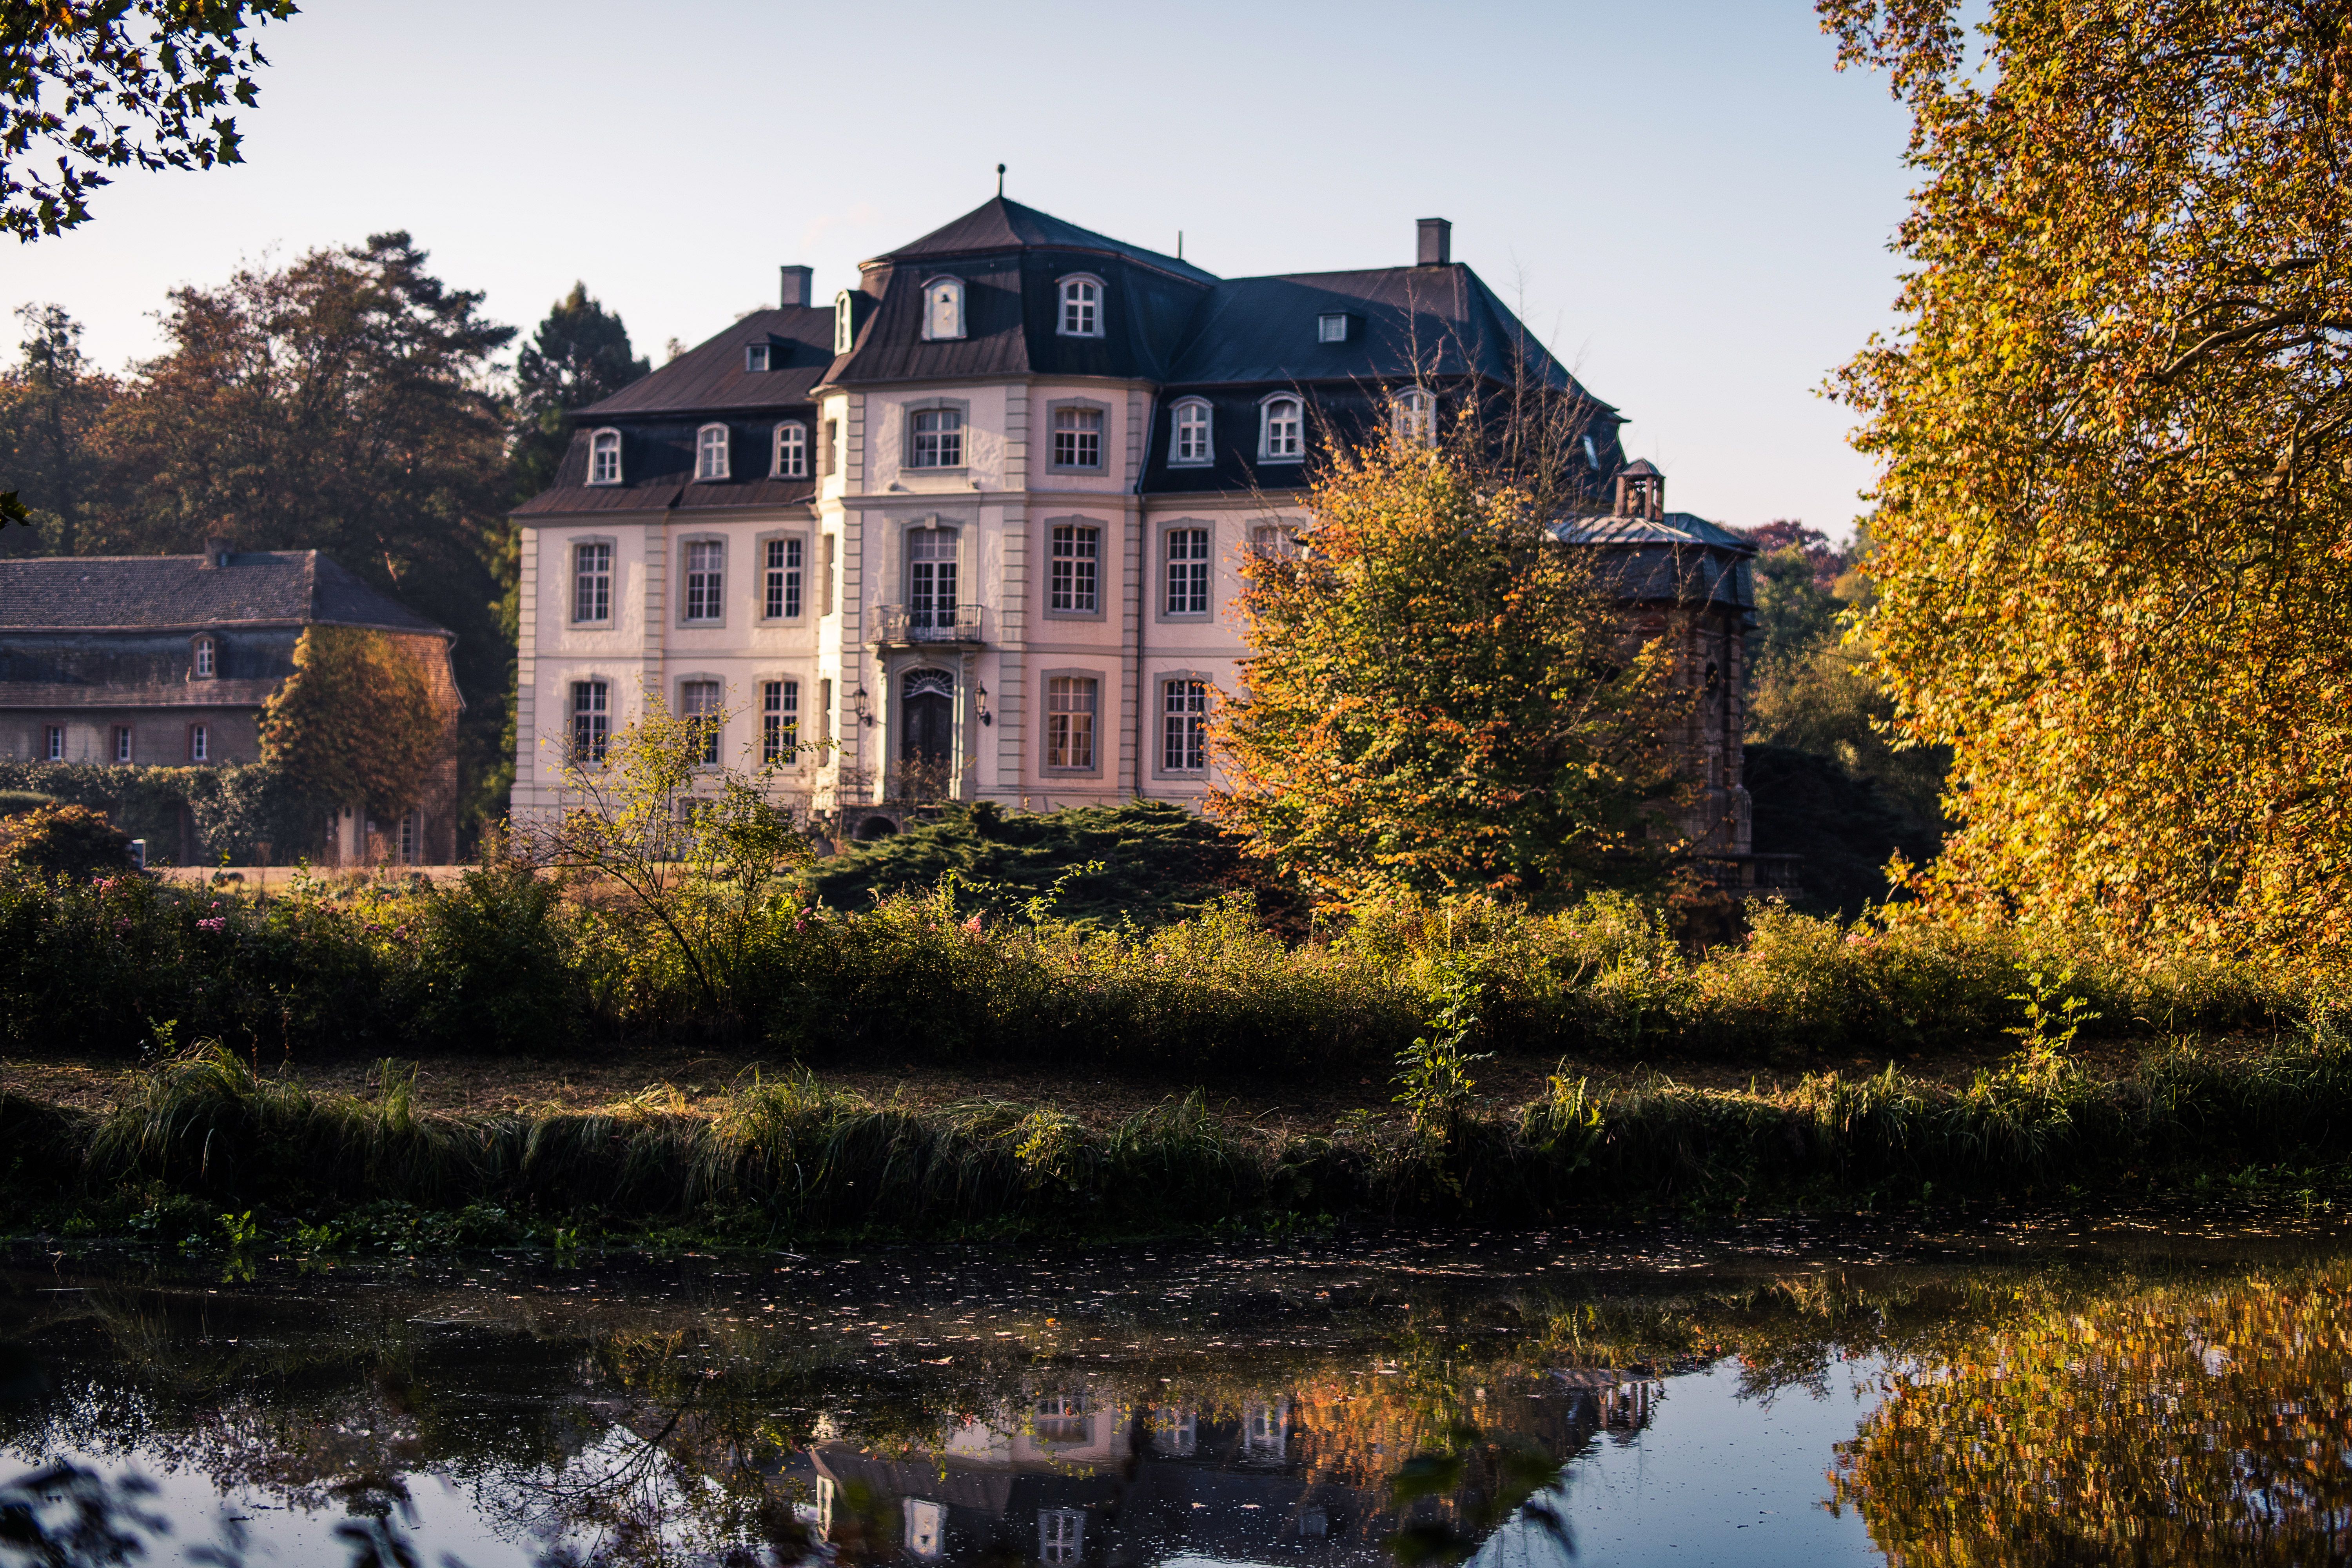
844 322
1193 432
1331 327
791 450
780 720
755 358
1064 1418
122 742
700 701
1076 586
782 597
1416 417
1061 1536
1184 725
207 659
53 743
710 452
932 578
1188 572
591 582
1081 308
1070 721
938 440
1273 541
1280 431
706 561
411 836
200 743
592 720
604 457
1077 437
943 309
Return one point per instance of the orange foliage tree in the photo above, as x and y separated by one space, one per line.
357 721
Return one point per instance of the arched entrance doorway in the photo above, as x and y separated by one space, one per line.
925 733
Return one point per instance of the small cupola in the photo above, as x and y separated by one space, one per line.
1641 490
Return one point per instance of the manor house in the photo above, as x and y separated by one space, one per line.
978 522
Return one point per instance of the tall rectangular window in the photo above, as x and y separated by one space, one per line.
604 457
1188 572
200 743
592 583
780 720
53 743
1061 1537
1193 432
705 563
1281 422
592 720
782 598
700 701
1184 725
1076 571
939 439
791 450
1070 721
931 579
1077 437
411 836
122 742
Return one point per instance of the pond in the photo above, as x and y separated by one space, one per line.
2040 1389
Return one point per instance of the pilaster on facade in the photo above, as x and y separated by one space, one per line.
656 611
526 762
1129 778
1010 702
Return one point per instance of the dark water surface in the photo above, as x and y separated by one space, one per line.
2054 1391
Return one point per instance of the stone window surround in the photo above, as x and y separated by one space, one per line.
776 448
567 685
1061 304
572 544
1159 732
678 685
1265 425
1055 406
726 452
900 566
760 616
1208 459
907 412
1046 721
197 647
726 571
1161 529
620 456
963 310
1103 544
798 714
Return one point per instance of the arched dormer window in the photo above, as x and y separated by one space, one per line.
1191 431
1082 302
791 451
710 453
204 657
604 457
943 309
845 322
1413 415
1281 430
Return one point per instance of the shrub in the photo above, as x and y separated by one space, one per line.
66 840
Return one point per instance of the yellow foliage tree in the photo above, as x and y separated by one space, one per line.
357 721
2116 440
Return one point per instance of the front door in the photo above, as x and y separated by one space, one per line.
925 733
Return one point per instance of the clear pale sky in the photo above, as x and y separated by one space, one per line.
1687 202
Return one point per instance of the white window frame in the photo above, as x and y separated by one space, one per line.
943 311
1187 725
1196 570
53 743
411 836
583 577
1180 425
691 689
1331 327
1412 416
1074 580
204 658
962 447
710 596
712 440
780 722
1061 1537
1061 738
1272 447
756 358
200 743
1054 433
844 322
789 447
934 552
592 699
784 576
602 444
1077 315
120 751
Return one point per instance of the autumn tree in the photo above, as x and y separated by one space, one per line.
2116 440
581 354
1441 699
356 723
53 404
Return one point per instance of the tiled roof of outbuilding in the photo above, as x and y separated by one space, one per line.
162 593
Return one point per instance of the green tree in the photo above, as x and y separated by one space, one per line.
580 355
356 723
2116 503
52 406
1441 699
124 84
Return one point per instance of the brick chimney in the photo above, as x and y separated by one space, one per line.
215 554
798 281
1436 242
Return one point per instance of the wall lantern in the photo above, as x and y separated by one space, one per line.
985 716
858 705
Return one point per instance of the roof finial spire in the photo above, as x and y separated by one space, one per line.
1000 179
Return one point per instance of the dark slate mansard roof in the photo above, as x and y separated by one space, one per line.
181 592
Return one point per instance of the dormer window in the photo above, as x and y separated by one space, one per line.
791 451
1413 416
1192 443
204 657
1082 308
1281 436
1331 327
710 453
943 309
755 358
845 322
604 457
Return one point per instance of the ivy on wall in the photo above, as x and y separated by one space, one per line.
229 808
356 723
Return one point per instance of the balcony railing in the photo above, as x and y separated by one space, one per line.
896 623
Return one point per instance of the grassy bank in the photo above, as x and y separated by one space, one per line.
507 960
203 1135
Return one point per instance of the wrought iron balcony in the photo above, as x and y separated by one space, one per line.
896 625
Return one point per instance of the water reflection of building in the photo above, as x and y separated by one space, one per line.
1069 1480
